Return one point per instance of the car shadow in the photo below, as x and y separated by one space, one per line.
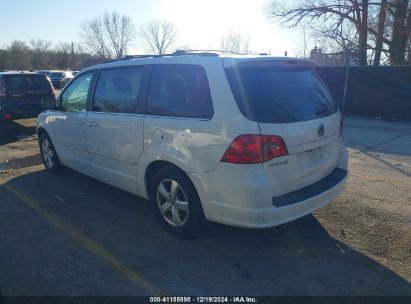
11 131
298 258
22 162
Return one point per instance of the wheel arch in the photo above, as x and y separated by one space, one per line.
157 165
40 132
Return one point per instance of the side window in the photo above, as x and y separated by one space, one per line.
180 90
118 90
74 98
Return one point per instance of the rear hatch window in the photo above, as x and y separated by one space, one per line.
27 85
268 92
27 82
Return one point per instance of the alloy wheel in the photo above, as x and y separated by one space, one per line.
172 202
47 153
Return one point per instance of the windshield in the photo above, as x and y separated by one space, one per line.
280 95
56 74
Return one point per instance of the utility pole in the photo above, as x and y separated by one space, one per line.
347 73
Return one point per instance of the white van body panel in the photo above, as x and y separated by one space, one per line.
118 149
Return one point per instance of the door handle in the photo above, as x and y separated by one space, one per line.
79 122
92 124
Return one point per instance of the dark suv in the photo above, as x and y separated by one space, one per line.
60 78
22 94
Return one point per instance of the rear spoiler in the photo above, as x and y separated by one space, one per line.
270 63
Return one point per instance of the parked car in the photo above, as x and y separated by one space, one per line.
248 141
45 72
22 94
60 78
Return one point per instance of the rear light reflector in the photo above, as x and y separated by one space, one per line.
254 149
7 116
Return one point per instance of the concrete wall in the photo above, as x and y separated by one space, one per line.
372 91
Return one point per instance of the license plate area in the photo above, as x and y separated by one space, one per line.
314 156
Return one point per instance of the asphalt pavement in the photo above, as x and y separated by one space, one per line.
68 234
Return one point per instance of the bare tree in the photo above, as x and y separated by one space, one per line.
120 32
409 52
401 30
93 35
235 42
19 56
40 45
64 47
108 35
158 36
327 17
3 59
39 57
303 43
382 17
375 28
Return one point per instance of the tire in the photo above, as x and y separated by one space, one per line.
176 203
48 154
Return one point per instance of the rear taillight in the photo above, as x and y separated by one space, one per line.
273 146
253 149
341 126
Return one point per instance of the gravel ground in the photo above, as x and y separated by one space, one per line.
70 235
373 215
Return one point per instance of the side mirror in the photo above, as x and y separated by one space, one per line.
49 103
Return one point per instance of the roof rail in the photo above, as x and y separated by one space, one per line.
129 57
211 53
204 52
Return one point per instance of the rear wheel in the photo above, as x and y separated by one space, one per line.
48 154
176 202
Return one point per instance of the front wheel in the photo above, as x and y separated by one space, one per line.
48 154
176 202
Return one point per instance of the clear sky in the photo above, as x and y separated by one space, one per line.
200 23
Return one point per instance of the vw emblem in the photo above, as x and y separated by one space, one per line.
320 130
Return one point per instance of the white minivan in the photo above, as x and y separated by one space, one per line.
248 141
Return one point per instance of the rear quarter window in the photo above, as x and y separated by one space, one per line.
280 95
180 90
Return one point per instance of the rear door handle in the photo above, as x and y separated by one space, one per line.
92 124
79 122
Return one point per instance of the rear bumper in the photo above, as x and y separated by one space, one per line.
245 200
323 185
